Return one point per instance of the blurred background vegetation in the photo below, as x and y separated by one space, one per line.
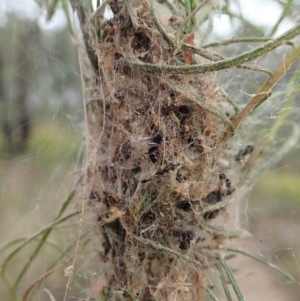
40 125
40 142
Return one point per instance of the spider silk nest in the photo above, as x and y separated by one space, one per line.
159 168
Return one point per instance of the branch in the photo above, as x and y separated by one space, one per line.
286 10
228 63
243 40
160 27
265 91
190 16
217 57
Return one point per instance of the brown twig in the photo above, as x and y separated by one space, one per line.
265 91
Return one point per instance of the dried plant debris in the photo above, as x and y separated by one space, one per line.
157 149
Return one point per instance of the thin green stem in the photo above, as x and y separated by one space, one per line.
261 260
286 10
160 28
83 13
228 98
228 63
65 204
265 91
216 58
217 206
39 246
243 40
22 239
56 264
204 52
255 68
171 7
11 243
231 277
9 285
45 229
223 280
190 17
188 10
69 22
25 243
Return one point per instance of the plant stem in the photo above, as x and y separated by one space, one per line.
223 280
265 91
287 8
216 58
231 277
242 40
259 259
160 28
228 98
190 16
228 63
